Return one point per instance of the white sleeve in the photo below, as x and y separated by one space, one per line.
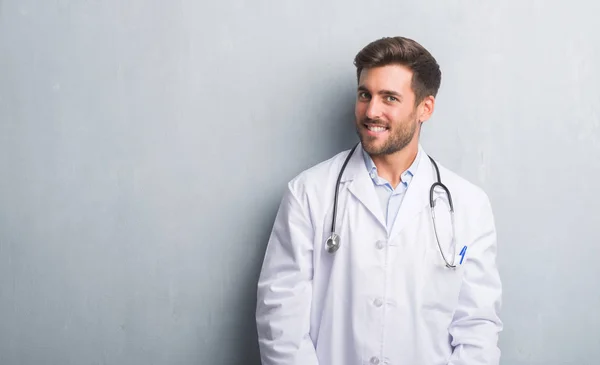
476 323
285 288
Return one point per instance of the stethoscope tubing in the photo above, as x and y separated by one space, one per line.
333 241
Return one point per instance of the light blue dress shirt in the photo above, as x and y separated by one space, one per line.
390 198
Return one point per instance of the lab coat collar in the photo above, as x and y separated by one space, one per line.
417 194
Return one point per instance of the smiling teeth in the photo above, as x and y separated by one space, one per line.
376 129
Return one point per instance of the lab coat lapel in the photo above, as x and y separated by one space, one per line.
417 194
361 185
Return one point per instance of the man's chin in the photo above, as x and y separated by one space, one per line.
372 145
372 149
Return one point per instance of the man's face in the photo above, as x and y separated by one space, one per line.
386 116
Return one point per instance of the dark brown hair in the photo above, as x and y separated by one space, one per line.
406 52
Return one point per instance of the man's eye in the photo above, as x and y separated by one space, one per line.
391 98
363 95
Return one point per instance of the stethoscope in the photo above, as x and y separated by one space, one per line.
332 244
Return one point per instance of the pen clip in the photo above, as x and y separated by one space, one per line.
462 254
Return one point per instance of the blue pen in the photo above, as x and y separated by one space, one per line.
462 254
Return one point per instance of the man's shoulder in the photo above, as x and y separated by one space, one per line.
461 186
319 175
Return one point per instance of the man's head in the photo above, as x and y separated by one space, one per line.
398 81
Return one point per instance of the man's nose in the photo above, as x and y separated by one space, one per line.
373 109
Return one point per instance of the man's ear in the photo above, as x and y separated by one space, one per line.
426 108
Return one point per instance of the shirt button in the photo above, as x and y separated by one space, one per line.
374 360
380 245
378 302
373 175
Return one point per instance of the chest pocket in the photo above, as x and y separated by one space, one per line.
441 284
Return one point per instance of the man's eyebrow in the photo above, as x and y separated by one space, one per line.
381 92
390 92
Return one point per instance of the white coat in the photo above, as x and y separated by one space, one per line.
379 299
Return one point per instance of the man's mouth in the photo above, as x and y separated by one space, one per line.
375 128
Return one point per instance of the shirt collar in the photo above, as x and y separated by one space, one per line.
406 176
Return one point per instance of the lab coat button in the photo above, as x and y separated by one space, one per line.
380 245
374 360
378 302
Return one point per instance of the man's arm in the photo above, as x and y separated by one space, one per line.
285 288
476 323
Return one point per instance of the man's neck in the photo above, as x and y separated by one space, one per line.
391 167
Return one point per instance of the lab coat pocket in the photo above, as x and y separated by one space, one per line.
441 284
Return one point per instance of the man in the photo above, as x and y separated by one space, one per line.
398 289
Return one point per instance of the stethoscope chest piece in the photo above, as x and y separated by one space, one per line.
333 243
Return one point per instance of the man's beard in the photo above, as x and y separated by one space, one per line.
399 137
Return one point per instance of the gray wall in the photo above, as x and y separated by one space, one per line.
144 147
